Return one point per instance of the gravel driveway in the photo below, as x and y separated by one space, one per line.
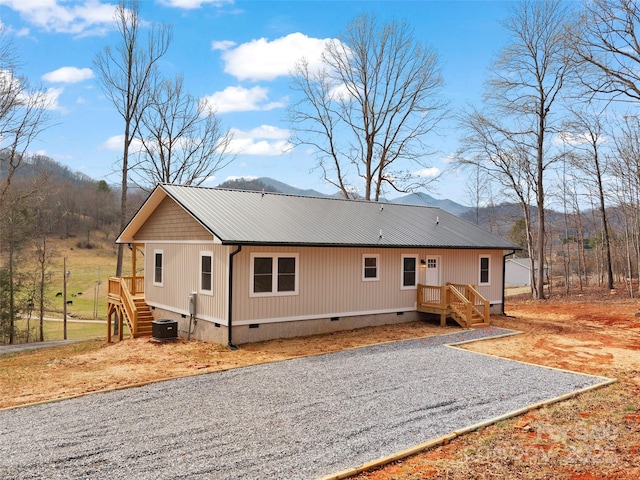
295 419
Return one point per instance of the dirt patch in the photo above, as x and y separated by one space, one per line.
595 435
84 367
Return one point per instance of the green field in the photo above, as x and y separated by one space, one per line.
54 330
88 270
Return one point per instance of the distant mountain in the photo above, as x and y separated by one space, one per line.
268 185
428 201
250 184
288 189
40 166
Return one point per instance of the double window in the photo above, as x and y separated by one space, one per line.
274 274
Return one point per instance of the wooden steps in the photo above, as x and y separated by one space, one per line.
462 303
145 319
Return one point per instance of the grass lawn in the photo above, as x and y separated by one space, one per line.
54 330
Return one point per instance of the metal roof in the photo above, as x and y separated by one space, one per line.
247 217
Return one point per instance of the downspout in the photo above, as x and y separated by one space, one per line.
504 269
230 314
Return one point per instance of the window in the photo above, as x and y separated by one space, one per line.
484 271
274 274
370 268
206 272
157 267
409 271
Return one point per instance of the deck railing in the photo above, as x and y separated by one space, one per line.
121 296
461 300
432 295
135 285
478 302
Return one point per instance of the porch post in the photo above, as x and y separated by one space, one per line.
134 268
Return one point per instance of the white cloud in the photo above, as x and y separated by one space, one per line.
262 59
222 44
265 140
240 99
45 99
569 138
51 97
191 4
90 16
68 75
116 144
430 172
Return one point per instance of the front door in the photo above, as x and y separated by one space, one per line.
433 271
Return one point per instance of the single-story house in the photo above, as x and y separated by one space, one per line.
241 266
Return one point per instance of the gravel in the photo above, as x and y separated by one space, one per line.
295 419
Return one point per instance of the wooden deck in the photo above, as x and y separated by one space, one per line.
126 302
461 302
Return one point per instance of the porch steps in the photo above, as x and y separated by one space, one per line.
461 303
145 319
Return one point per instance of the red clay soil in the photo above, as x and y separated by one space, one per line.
595 435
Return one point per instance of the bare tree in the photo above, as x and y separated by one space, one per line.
625 166
478 188
486 146
126 73
608 46
587 134
183 139
521 98
23 116
368 109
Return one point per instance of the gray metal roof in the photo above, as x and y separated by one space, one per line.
243 217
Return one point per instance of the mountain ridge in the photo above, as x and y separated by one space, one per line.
273 185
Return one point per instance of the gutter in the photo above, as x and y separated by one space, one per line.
504 268
230 312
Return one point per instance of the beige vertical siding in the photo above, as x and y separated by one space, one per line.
463 266
181 276
330 282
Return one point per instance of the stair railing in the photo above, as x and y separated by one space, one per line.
129 307
459 304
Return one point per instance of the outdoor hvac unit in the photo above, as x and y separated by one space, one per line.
164 330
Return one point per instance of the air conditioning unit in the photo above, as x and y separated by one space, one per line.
164 330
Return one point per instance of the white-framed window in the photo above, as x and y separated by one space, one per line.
206 272
370 267
158 267
484 277
274 274
409 272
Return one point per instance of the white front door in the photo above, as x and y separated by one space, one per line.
433 271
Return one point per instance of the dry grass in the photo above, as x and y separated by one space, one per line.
84 367
595 435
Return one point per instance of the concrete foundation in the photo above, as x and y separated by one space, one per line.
217 333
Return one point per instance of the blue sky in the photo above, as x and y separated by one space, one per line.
238 55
